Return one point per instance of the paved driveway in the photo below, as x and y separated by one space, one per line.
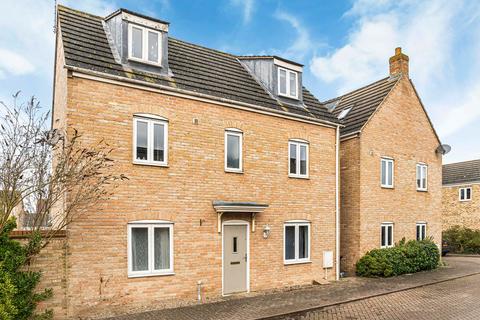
395 299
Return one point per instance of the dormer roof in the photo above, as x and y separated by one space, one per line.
193 69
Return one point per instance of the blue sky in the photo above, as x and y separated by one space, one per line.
343 45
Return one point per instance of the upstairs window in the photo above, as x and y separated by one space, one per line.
144 44
465 194
287 83
298 159
150 142
422 177
233 150
421 231
386 235
387 173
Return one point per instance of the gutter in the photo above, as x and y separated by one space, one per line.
337 204
95 75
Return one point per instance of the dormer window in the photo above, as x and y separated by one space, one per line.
287 83
144 45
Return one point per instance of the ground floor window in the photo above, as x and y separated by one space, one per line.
421 231
296 241
387 235
150 248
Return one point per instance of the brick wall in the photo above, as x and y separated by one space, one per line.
462 213
98 284
51 262
400 130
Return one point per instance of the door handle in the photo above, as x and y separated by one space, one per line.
245 257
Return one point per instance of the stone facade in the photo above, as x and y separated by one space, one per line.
399 129
461 213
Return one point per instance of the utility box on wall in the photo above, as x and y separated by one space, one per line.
327 259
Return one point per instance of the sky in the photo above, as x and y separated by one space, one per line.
342 44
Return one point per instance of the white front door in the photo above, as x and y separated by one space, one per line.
235 258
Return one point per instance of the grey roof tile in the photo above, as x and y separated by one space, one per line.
461 172
195 68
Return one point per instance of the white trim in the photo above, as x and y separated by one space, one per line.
287 65
150 116
297 224
287 84
387 160
423 233
461 184
238 134
386 224
337 205
151 222
151 268
145 45
298 145
146 22
195 96
236 223
150 141
421 166
465 193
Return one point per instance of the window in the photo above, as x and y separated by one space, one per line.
144 44
421 231
422 177
298 159
344 113
287 83
150 142
387 173
150 248
465 194
296 242
387 235
233 150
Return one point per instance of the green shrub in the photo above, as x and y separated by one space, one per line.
404 257
462 240
18 298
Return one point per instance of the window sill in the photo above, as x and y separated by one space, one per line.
165 165
387 187
299 177
287 96
155 64
465 200
422 190
160 274
233 171
288 263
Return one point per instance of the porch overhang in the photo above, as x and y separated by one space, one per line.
252 208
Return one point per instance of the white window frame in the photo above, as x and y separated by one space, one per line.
297 224
237 133
423 230
145 32
465 193
421 166
150 225
387 160
287 85
150 125
297 174
386 225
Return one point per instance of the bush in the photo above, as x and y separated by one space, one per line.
404 257
462 240
18 298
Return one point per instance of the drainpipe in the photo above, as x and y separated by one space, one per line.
337 205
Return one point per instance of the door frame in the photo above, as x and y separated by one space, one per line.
236 223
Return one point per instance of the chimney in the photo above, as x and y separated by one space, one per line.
399 63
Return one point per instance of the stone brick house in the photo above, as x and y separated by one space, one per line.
460 200
391 163
232 165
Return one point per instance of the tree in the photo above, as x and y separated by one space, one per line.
51 173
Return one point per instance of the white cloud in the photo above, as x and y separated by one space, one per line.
302 45
247 7
14 63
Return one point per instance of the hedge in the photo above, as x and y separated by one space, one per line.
462 240
404 257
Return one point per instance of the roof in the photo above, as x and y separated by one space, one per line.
195 68
269 57
461 172
363 101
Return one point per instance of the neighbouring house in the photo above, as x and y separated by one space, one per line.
461 194
391 166
232 167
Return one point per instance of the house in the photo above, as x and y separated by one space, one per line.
460 194
232 167
390 166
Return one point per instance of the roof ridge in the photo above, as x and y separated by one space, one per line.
461 162
358 89
79 12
